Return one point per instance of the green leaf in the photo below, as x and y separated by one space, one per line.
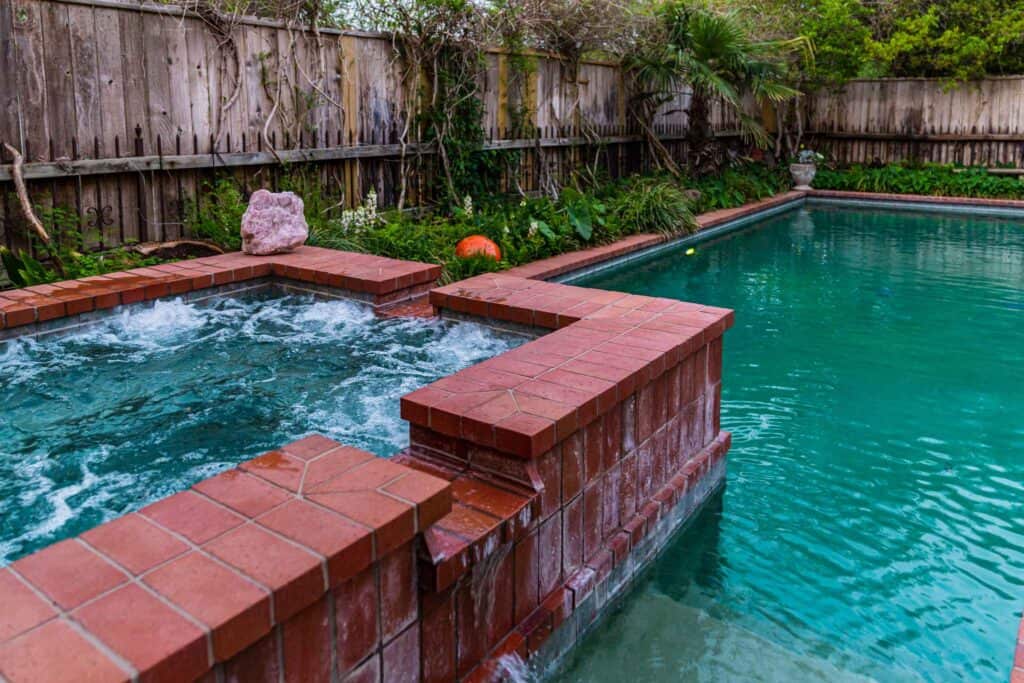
545 229
579 218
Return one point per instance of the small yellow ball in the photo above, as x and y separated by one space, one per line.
691 251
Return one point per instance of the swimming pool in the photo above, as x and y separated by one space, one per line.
871 526
150 400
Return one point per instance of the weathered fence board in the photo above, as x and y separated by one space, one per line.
125 110
921 119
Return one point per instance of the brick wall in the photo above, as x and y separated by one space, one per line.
592 437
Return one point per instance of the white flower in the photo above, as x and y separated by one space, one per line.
467 205
533 228
361 217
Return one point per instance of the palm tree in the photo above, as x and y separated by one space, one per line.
715 56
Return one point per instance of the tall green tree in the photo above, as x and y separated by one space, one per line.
958 39
715 55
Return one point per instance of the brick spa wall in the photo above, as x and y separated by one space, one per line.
536 484
378 281
568 457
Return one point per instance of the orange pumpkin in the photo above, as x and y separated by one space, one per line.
477 245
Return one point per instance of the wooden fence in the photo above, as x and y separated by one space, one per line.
921 119
124 111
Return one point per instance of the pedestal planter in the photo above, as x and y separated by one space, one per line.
802 174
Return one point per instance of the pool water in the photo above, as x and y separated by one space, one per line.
153 399
872 526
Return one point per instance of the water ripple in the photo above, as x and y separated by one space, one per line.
154 398
872 524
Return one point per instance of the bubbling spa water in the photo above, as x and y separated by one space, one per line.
144 403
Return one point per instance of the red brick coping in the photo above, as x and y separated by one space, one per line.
195 579
526 400
918 198
380 280
565 455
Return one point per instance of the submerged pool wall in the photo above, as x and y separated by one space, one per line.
536 485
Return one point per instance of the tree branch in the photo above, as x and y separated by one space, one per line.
30 214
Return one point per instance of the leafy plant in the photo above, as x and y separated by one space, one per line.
583 211
218 217
738 185
654 205
928 179
23 270
808 156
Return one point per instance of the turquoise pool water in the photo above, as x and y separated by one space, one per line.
104 420
872 526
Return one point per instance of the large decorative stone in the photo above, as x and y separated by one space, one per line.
274 223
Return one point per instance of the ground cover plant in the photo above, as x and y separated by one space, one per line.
925 179
525 228
65 257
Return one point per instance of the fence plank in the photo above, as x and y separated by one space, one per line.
10 127
921 119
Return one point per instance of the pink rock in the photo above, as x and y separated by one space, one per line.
274 223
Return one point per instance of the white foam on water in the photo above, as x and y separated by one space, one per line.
55 495
316 321
469 343
188 362
150 327
513 668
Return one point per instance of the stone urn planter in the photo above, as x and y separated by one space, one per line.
803 174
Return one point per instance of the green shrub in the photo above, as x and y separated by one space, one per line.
23 270
218 215
929 179
654 205
738 185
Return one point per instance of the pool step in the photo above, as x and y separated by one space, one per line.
703 648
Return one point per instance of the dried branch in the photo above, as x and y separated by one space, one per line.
26 208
